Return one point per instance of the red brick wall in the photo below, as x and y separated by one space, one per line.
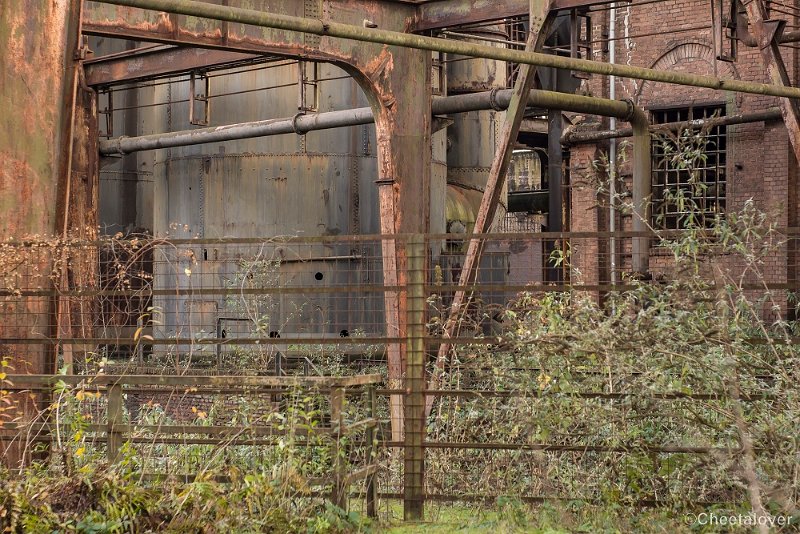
760 160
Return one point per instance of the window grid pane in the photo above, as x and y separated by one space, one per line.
689 170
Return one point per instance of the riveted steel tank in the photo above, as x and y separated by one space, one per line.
318 184
321 184
472 138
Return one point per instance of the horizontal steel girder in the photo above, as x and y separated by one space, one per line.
160 61
451 13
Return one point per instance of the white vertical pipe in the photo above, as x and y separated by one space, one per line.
612 151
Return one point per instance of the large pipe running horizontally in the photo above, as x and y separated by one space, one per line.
575 138
348 31
353 117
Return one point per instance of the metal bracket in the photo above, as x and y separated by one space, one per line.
202 98
773 29
724 21
440 123
308 86
108 112
438 74
631 109
493 100
295 126
83 50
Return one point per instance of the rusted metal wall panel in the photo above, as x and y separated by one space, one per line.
37 78
35 81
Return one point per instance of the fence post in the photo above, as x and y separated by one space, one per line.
113 435
338 493
414 424
371 486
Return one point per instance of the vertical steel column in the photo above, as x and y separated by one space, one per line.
371 454
404 187
38 39
555 176
414 459
338 491
642 184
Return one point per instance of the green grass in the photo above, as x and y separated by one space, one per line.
513 517
464 519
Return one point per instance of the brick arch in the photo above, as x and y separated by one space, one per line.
691 50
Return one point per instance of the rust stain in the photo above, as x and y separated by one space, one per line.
19 205
130 19
31 89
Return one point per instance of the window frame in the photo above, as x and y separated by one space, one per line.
680 173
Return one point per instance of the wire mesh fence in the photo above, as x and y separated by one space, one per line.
551 382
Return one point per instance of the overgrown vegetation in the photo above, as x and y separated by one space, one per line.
679 391
632 411
71 487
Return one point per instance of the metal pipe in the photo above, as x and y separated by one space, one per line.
575 138
640 261
302 124
299 124
348 31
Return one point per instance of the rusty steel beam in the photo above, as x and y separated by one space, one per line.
284 32
140 21
767 34
38 84
159 61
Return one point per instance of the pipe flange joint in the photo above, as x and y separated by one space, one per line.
493 99
631 109
296 127
118 145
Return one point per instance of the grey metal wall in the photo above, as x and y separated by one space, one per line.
126 183
318 184
472 137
